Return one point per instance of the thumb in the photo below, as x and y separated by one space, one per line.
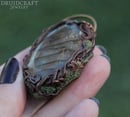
12 91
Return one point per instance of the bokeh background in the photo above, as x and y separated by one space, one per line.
20 27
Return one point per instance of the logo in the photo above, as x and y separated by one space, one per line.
19 4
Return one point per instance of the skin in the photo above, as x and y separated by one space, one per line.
72 102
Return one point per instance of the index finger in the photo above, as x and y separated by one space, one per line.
91 80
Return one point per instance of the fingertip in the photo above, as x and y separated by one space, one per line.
13 99
97 64
94 75
100 50
97 51
13 91
10 71
107 57
86 108
95 100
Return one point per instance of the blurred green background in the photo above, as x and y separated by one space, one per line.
20 27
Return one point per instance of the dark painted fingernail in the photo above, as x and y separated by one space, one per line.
10 71
95 100
102 48
107 57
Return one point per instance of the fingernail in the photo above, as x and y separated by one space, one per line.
102 48
10 71
107 57
95 100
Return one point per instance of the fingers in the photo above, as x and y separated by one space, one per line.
12 97
93 77
86 108
91 80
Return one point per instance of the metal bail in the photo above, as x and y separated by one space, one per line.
88 17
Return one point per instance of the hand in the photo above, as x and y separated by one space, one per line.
74 101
